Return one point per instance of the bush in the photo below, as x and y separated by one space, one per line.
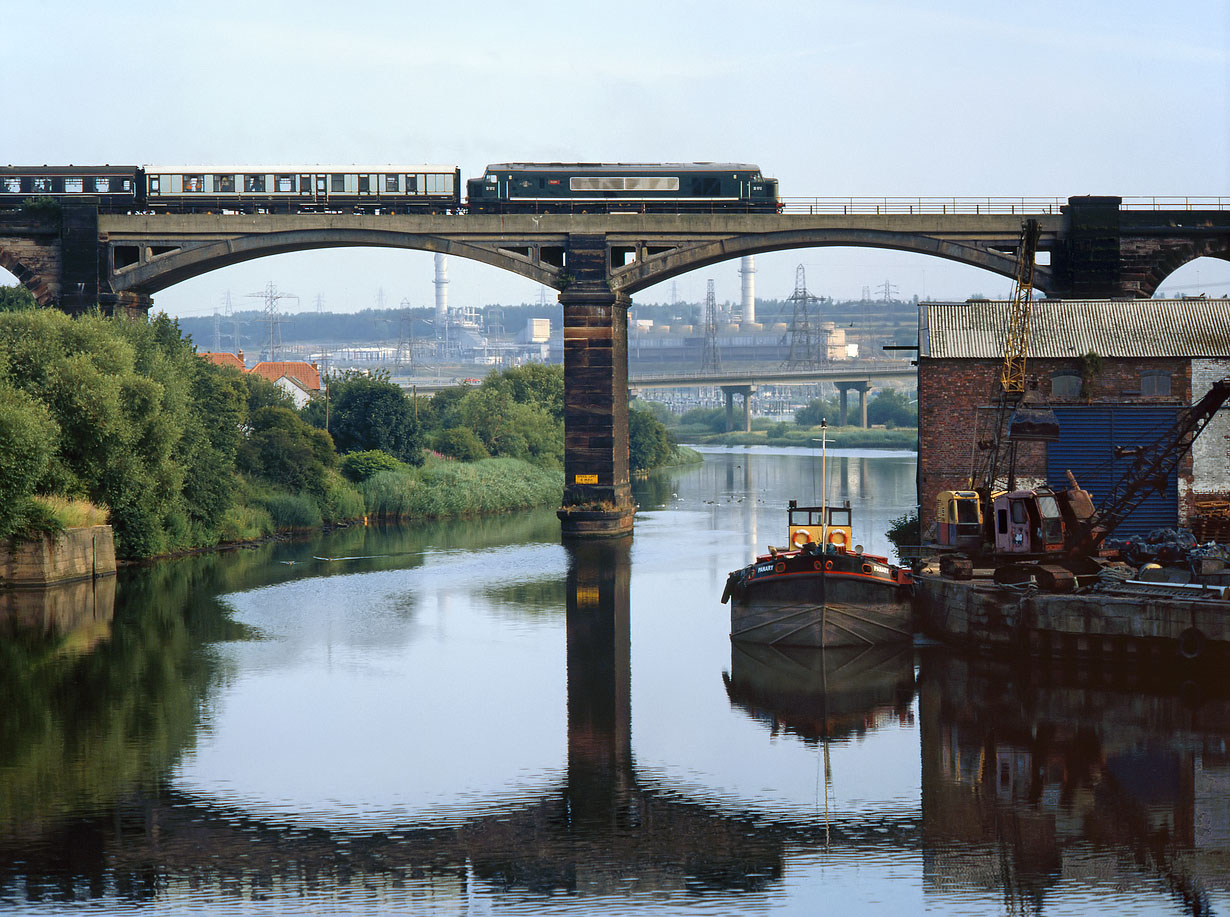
293 511
444 488
359 466
904 531
29 437
341 501
649 443
462 444
244 523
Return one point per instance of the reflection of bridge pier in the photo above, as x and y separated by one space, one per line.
600 781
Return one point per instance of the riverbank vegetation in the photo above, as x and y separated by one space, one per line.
892 415
111 419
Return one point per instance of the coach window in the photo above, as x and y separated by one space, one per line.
365 184
12 184
154 183
41 184
194 183
1065 385
284 183
1154 382
224 184
74 185
101 185
337 182
254 183
391 183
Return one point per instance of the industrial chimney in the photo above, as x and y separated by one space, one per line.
747 270
441 294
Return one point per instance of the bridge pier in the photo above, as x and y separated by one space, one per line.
844 389
597 486
729 392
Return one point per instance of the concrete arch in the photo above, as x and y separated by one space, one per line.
43 294
654 270
1173 257
192 260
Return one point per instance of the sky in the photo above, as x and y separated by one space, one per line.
863 98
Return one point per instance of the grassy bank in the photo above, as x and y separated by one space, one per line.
440 488
806 437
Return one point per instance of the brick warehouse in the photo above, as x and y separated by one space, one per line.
1115 372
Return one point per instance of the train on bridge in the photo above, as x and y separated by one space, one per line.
415 188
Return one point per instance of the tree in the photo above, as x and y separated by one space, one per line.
285 450
649 442
16 299
816 410
461 443
534 383
369 412
893 409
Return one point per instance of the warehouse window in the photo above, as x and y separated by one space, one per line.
1065 385
1155 382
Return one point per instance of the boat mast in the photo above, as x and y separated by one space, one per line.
824 483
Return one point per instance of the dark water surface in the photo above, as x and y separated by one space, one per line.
472 718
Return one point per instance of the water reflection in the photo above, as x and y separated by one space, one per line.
823 693
1036 783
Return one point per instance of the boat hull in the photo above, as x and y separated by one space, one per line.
820 600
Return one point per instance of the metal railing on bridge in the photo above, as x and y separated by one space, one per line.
981 205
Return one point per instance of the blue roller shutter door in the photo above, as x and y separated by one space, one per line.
1087 440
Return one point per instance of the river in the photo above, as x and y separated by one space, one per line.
472 718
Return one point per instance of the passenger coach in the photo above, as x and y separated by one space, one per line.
113 187
549 187
360 189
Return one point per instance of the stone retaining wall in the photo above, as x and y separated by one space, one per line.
76 554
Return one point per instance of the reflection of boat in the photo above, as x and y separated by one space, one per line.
820 590
822 694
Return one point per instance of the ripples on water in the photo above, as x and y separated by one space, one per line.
473 719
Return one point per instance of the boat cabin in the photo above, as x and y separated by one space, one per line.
822 525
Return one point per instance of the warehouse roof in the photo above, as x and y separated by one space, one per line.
1069 328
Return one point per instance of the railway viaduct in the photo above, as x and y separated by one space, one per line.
1099 247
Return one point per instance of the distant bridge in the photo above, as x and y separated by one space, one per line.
1099 247
856 376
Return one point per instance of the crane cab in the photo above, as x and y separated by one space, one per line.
958 516
1028 522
